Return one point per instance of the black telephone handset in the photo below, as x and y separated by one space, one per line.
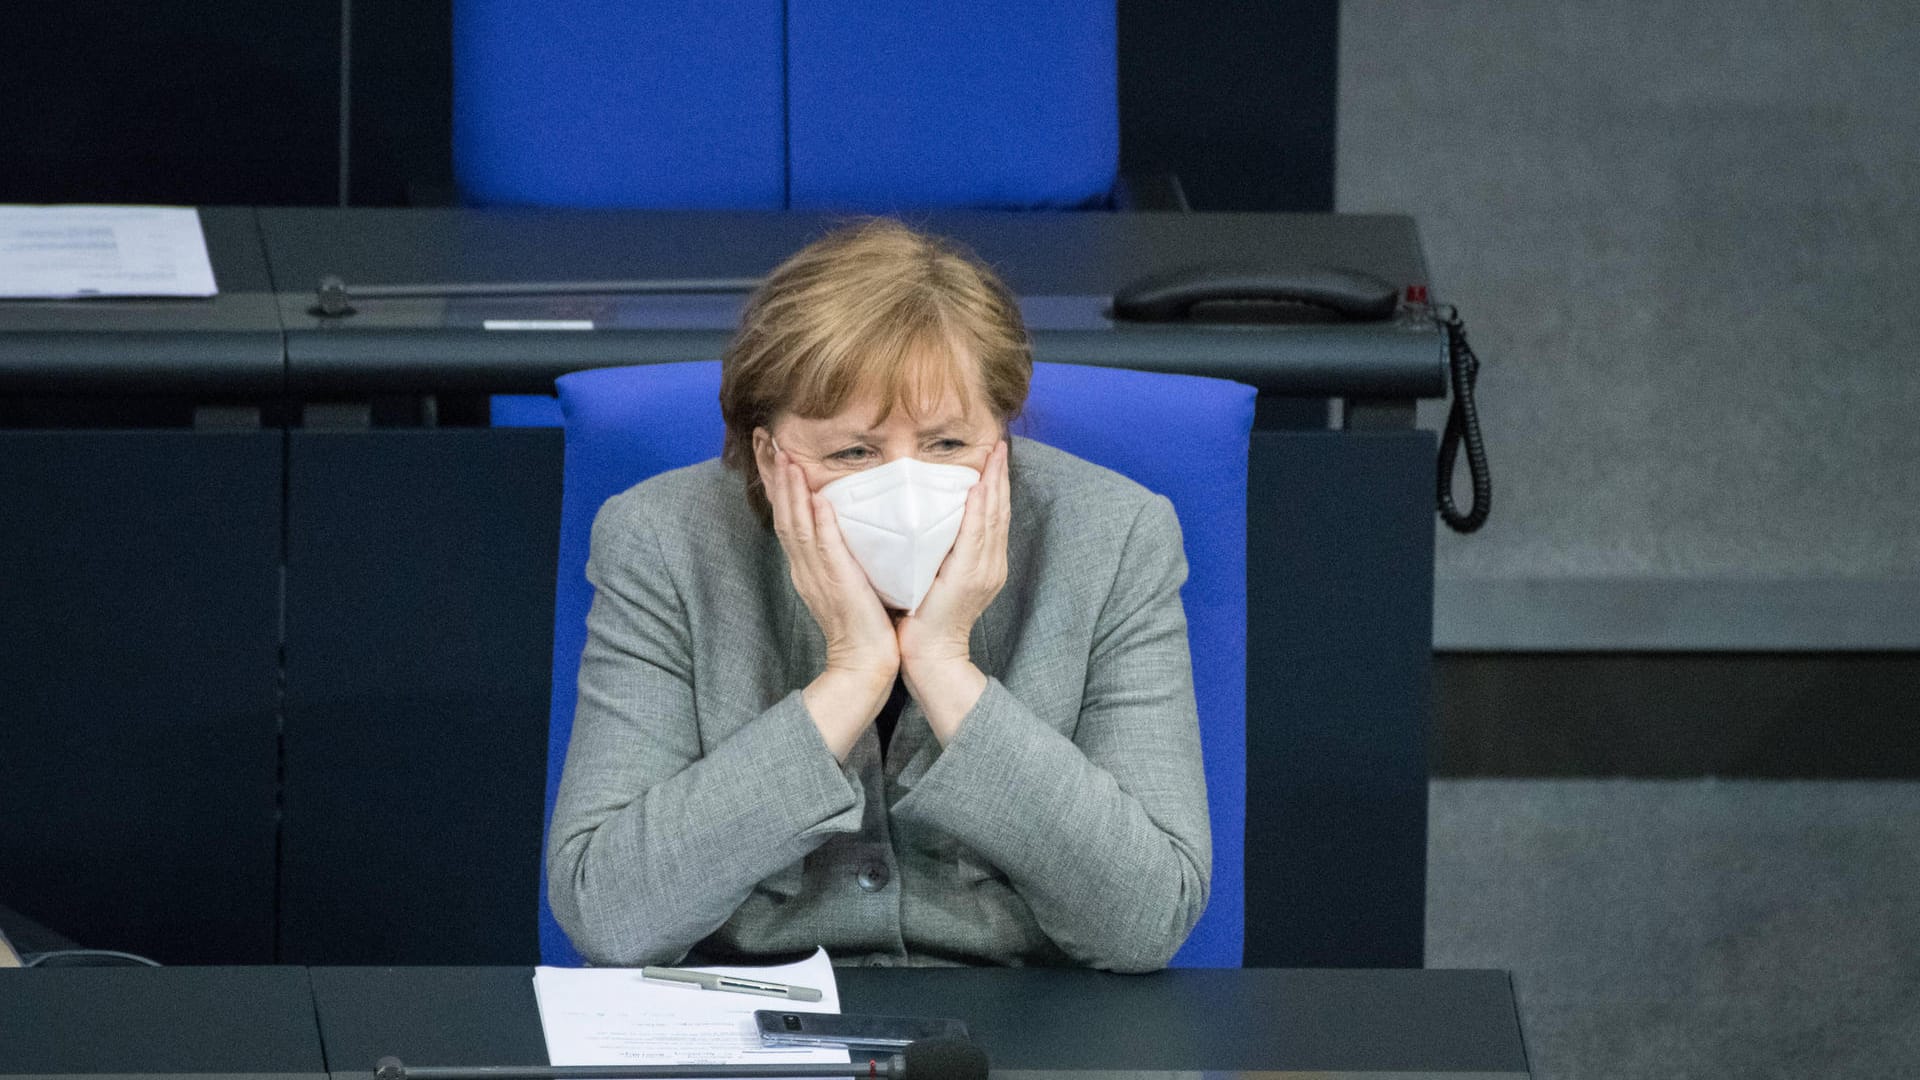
1326 294
1263 294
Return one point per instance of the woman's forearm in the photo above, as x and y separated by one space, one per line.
640 872
842 702
946 692
1115 873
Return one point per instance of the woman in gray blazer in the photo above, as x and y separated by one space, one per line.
882 677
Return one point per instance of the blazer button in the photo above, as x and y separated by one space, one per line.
874 876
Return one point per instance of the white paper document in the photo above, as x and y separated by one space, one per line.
65 252
613 1016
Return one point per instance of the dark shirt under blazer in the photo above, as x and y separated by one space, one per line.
1065 823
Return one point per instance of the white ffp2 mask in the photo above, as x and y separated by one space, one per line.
900 520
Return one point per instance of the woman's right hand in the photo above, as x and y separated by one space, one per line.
863 653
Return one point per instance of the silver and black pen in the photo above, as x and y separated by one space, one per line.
706 980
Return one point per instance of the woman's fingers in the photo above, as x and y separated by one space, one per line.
799 501
967 546
823 570
865 633
973 573
831 545
973 548
1003 509
773 480
837 559
984 527
1003 490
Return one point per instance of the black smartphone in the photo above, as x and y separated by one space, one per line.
778 1027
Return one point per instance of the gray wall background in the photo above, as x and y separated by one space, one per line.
1686 240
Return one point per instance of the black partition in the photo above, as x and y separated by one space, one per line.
419 621
138 761
1340 596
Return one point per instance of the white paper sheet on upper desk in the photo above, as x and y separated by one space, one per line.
613 1016
64 252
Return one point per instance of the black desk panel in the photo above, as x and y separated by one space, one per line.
1026 1019
251 1021
138 739
418 640
1340 651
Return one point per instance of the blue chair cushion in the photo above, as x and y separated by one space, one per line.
526 410
935 103
822 104
670 104
1183 436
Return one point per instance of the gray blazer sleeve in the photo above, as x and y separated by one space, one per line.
1104 835
655 839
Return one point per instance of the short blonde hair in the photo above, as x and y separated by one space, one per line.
872 307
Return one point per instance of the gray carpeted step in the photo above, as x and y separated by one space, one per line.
1686 239
1688 929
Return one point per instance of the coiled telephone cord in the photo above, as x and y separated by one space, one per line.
1463 428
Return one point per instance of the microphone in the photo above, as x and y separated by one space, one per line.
925 1059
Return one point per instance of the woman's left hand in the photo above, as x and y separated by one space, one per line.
934 656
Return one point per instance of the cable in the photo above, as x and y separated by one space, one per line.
38 959
1463 426
346 100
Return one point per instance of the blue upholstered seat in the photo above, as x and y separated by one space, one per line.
769 104
669 104
1183 436
925 103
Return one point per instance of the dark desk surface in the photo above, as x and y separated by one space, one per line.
1064 266
208 1021
1376 1022
260 337
1037 253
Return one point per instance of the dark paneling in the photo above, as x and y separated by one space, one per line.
1235 98
219 101
419 630
240 1021
1762 715
1339 621
140 612
402 119
28 936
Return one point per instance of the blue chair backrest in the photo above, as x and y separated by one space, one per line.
822 104
1183 436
